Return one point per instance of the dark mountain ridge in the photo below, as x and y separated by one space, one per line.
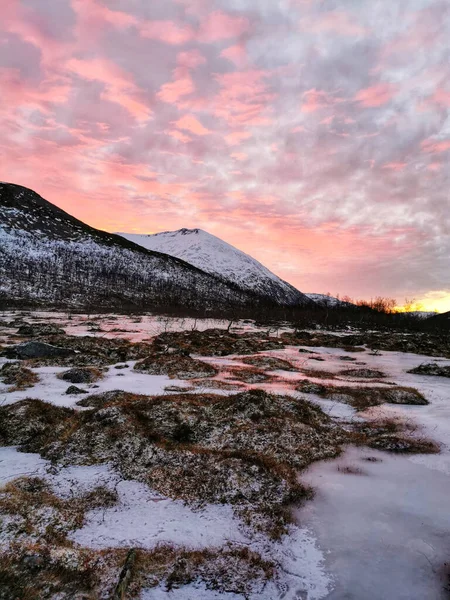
49 257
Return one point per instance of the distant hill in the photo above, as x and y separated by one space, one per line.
326 301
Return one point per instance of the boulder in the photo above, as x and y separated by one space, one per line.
74 390
80 375
36 350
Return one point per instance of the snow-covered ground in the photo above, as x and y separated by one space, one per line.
380 532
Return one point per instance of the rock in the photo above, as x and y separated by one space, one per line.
73 390
347 358
80 375
36 350
122 367
38 329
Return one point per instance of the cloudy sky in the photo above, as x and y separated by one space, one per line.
312 134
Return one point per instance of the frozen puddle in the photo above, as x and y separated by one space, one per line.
385 531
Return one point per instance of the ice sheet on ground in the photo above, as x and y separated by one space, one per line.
385 531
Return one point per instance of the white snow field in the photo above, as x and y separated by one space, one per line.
376 529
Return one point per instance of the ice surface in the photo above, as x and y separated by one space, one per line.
385 532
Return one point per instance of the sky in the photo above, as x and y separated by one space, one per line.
312 134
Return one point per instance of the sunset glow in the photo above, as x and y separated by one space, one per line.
315 138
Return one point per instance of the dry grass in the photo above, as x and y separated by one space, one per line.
362 397
393 436
217 384
244 450
362 373
18 376
248 375
41 562
268 363
432 369
176 366
318 374
215 342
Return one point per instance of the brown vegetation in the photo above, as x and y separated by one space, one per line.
268 363
244 450
17 376
362 397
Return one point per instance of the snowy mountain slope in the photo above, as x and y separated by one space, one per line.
328 301
46 255
213 255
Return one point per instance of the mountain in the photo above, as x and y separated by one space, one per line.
440 322
213 255
326 301
49 257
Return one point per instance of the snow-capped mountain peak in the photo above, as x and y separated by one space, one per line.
215 256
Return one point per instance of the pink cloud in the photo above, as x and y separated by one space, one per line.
435 147
190 59
219 25
338 22
171 92
376 95
95 13
395 166
119 85
314 100
243 98
441 97
190 123
239 155
181 137
167 31
236 54
234 138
